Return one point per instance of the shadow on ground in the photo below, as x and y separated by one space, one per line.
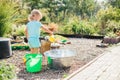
45 74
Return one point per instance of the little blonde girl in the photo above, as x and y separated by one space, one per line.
32 30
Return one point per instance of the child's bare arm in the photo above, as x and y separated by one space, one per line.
26 32
47 30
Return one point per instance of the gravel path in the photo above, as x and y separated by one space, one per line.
86 51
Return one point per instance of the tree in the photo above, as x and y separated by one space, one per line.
34 4
114 3
56 8
84 7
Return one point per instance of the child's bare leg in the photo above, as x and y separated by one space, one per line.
40 50
36 50
32 50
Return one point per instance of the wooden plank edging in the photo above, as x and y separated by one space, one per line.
85 66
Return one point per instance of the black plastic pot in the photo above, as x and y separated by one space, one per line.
5 48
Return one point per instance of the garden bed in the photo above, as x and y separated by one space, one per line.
86 51
82 36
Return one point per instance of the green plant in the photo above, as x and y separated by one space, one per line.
65 75
7 12
107 19
6 71
75 27
111 34
111 25
84 28
20 31
43 33
65 29
68 26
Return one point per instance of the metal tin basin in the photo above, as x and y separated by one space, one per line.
61 58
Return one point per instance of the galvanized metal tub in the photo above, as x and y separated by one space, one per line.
60 58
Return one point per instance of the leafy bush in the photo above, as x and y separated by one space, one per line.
110 25
108 19
6 15
67 29
20 31
6 71
68 24
86 28
82 27
111 34
109 14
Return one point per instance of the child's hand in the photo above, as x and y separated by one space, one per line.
51 33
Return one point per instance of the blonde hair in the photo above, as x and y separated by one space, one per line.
34 12
30 18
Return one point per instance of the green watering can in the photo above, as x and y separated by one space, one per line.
33 62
